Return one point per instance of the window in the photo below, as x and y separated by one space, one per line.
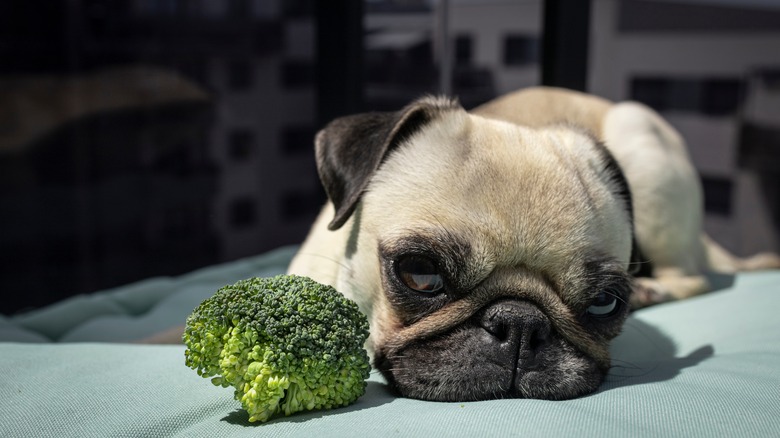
520 50
298 139
300 204
242 213
721 96
239 8
463 49
193 69
653 92
297 74
717 195
710 96
240 74
298 8
758 147
241 144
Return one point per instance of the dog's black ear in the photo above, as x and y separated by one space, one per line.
350 149
637 265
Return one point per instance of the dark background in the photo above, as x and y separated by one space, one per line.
153 137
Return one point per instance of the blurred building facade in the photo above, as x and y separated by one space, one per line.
102 182
154 137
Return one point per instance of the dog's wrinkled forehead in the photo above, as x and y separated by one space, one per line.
528 195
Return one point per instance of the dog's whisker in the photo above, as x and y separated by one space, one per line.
324 257
617 297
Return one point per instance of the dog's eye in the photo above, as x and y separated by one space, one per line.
606 304
420 274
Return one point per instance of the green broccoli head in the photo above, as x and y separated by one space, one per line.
285 343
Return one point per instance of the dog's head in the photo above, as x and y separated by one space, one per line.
491 258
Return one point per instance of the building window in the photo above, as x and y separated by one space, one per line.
520 50
156 7
298 139
214 9
242 213
194 69
709 96
653 92
297 74
770 78
758 147
717 195
239 8
240 74
177 223
300 204
176 158
297 8
721 96
241 144
463 49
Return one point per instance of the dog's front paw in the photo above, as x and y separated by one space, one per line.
648 292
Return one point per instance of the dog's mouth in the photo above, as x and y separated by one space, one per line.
507 350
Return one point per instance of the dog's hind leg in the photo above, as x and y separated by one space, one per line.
720 260
674 283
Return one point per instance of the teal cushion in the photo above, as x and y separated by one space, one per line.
10 330
704 367
137 310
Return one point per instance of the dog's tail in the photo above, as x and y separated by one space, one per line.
720 260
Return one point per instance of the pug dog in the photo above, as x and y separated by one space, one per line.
496 252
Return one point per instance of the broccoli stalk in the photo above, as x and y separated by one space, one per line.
286 344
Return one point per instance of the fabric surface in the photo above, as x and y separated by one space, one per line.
137 310
708 367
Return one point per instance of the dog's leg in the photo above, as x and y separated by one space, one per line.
667 199
667 286
668 207
720 260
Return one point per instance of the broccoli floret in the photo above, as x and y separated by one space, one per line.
286 344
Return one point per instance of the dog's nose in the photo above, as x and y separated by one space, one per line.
518 330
